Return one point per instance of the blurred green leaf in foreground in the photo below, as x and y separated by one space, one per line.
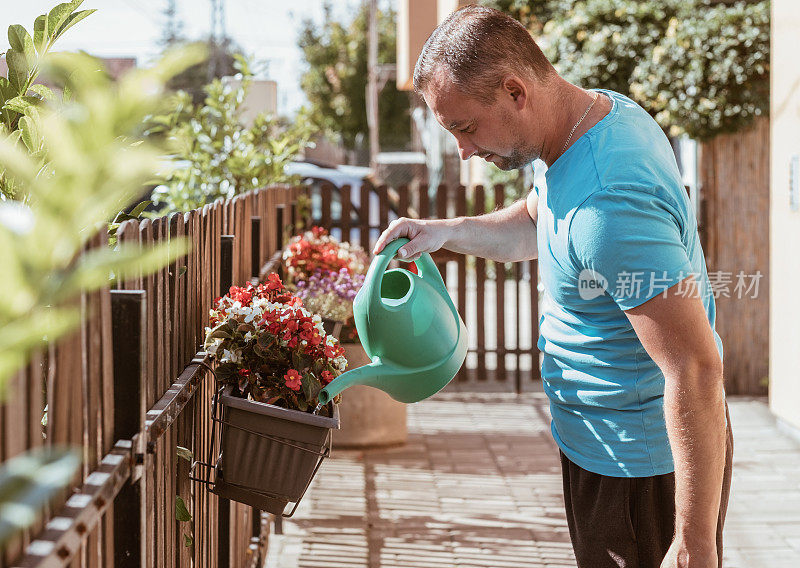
98 163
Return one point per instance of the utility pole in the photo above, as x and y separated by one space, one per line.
217 36
372 82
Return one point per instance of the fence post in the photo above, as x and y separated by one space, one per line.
279 215
128 328
226 264
224 505
255 246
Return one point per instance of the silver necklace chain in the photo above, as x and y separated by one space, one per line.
577 124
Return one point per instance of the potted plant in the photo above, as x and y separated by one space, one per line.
317 250
371 417
273 357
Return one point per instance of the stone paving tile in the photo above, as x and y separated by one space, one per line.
478 486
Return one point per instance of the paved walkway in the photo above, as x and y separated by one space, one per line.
478 486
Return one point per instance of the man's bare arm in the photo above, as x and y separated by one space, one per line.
674 330
506 235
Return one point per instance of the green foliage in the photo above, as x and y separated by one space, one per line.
512 180
215 155
599 43
97 164
532 14
28 482
336 80
20 99
182 514
708 75
697 67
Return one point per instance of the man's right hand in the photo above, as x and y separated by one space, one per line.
424 235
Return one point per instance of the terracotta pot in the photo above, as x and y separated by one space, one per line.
269 454
370 417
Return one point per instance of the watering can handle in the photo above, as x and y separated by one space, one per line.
425 263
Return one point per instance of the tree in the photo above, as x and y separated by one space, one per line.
336 80
215 155
696 67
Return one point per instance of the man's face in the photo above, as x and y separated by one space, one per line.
491 131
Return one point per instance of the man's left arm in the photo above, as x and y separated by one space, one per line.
675 331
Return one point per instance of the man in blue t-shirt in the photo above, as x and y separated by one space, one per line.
632 365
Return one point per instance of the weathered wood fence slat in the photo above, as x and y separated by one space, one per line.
129 388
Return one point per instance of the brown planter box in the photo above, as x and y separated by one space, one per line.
269 455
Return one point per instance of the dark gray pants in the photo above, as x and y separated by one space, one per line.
627 522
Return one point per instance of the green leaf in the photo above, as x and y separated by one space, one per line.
20 40
29 133
18 69
305 382
74 19
43 91
220 332
94 267
28 482
40 34
21 104
139 209
185 453
187 540
181 512
265 340
58 16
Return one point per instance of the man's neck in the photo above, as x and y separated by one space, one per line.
573 102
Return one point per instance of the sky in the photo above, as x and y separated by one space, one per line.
266 29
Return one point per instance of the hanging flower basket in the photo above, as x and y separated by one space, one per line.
273 358
269 455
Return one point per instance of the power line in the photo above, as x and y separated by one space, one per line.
143 11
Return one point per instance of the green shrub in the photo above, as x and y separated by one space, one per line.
214 154
697 67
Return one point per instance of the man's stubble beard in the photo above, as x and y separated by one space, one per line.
522 153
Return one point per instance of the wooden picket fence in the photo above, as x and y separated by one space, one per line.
498 302
129 388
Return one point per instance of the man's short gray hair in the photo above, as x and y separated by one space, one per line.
478 46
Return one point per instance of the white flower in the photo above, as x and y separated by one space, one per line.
232 356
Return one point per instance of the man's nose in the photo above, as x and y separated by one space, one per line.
465 148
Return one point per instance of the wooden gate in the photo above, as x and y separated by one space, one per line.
498 302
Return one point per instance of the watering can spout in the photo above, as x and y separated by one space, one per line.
359 376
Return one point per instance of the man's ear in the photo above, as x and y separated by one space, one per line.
516 89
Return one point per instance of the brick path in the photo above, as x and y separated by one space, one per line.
479 486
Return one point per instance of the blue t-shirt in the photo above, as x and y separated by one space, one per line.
615 228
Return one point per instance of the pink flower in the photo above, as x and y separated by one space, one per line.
293 380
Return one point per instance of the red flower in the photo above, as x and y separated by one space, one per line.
293 380
244 372
326 377
274 282
333 351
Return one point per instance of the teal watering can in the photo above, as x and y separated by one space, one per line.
409 327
